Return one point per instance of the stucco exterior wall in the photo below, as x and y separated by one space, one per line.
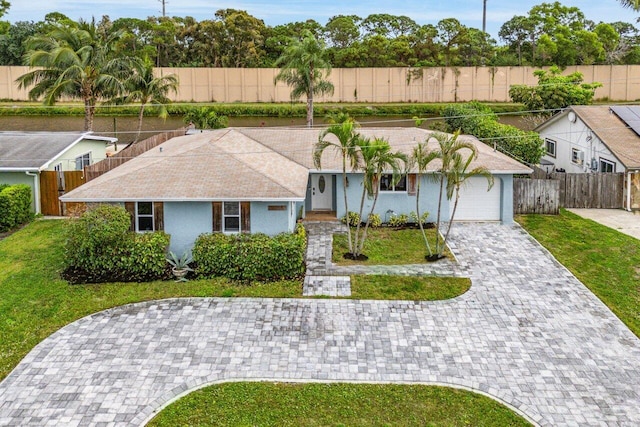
271 222
98 150
567 136
185 221
433 84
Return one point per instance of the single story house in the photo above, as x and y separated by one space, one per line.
596 138
263 180
25 155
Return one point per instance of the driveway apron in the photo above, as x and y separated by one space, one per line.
527 333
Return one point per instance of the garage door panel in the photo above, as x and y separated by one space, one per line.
478 204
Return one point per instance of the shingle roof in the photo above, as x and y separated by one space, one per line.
623 142
246 164
34 150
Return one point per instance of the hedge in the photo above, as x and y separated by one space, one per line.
478 120
100 248
250 257
15 205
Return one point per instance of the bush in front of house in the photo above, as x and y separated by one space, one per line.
15 205
100 248
250 257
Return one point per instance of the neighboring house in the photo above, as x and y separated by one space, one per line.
263 180
25 155
596 138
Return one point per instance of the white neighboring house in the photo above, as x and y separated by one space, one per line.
596 138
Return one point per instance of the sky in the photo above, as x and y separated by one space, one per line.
276 12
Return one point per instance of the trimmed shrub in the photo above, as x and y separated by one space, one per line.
398 220
250 257
374 220
478 120
100 248
354 219
15 205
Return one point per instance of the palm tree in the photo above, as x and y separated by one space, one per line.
457 175
420 159
304 69
448 147
75 60
632 4
145 88
377 159
347 146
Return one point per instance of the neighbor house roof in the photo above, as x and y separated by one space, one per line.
614 132
246 164
34 151
223 164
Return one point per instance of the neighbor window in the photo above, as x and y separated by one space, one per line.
386 183
607 166
577 156
550 145
82 161
231 217
144 216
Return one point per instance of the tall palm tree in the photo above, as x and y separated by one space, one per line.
448 147
457 175
304 69
420 159
347 138
75 60
377 159
143 87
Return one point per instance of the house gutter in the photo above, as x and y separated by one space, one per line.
36 187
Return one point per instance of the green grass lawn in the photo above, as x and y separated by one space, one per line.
388 246
605 260
407 287
276 404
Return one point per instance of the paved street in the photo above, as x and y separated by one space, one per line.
527 333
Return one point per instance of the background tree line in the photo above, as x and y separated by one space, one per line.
549 34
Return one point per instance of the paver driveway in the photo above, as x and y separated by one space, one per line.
527 333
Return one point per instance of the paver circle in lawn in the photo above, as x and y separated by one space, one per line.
527 333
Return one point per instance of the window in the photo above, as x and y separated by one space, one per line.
386 183
577 156
82 161
550 145
607 166
144 216
231 217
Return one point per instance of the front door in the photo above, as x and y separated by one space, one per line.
321 192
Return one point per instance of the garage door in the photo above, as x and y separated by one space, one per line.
476 203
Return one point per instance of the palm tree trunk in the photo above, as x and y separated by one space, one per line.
346 206
424 235
366 225
89 111
453 213
140 116
438 249
355 243
310 98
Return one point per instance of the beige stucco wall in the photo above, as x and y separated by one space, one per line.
436 84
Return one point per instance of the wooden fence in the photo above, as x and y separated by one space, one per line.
568 190
53 185
95 170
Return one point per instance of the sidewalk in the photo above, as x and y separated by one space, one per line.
618 219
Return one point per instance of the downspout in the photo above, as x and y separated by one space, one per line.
629 191
36 187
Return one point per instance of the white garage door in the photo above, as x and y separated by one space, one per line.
476 203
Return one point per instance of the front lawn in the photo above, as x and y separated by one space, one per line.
407 287
277 404
605 260
387 246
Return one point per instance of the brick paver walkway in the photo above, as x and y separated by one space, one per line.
527 333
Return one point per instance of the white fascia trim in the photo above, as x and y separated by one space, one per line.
165 199
90 135
32 169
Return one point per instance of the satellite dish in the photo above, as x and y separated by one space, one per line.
572 117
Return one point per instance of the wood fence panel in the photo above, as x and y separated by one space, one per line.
539 196
72 179
95 170
49 203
